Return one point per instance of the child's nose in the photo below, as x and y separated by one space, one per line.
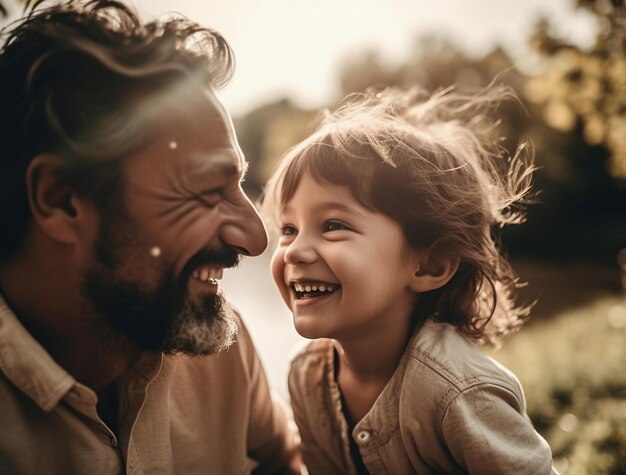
300 251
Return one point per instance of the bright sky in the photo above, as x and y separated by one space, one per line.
295 48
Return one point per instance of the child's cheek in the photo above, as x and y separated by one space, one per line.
277 266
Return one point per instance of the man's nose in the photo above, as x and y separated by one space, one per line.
245 230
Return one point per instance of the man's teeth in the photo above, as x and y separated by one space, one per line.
314 287
207 274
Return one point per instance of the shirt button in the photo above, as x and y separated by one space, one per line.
113 441
363 436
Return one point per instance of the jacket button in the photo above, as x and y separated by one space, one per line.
363 436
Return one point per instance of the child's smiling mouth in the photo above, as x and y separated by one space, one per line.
304 290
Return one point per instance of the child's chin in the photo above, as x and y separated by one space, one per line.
308 330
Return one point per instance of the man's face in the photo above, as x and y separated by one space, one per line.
184 218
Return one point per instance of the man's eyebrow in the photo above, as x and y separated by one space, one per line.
245 165
226 168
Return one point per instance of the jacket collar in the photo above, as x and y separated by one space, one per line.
28 365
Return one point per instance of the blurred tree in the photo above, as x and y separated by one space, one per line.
587 89
581 96
435 62
266 133
9 9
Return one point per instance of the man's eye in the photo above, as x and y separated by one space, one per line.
287 230
330 226
210 198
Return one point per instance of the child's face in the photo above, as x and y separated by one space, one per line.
343 270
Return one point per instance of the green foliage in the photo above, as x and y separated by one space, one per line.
572 370
587 89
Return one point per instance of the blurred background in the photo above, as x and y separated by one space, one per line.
566 60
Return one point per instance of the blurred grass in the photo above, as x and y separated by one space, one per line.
573 369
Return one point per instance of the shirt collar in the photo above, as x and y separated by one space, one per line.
28 365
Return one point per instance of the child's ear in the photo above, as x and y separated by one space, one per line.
53 203
433 272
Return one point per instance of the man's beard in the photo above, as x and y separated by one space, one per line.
161 317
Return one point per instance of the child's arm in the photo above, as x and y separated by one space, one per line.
303 390
487 430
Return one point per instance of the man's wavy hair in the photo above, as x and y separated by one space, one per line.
432 163
89 81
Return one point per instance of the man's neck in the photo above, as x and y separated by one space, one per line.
45 296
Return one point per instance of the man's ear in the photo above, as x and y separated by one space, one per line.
433 272
53 202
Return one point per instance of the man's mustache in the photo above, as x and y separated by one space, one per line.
225 257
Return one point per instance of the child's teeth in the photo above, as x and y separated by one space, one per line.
298 287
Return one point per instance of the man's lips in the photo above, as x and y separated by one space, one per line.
208 265
208 273
204 280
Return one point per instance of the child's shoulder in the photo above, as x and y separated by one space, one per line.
311 351
443 356
311 363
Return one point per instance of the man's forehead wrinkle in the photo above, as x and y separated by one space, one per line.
218 163
175 214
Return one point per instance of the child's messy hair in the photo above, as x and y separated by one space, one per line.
432 163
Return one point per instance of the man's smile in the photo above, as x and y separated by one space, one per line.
204 279
208 273
206 268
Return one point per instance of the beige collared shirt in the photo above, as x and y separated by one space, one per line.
182 415
448 408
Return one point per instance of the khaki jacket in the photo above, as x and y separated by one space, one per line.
448 408
180 415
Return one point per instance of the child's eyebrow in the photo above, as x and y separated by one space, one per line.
336 206
326 206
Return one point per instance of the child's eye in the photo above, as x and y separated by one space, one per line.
287 230
330 226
